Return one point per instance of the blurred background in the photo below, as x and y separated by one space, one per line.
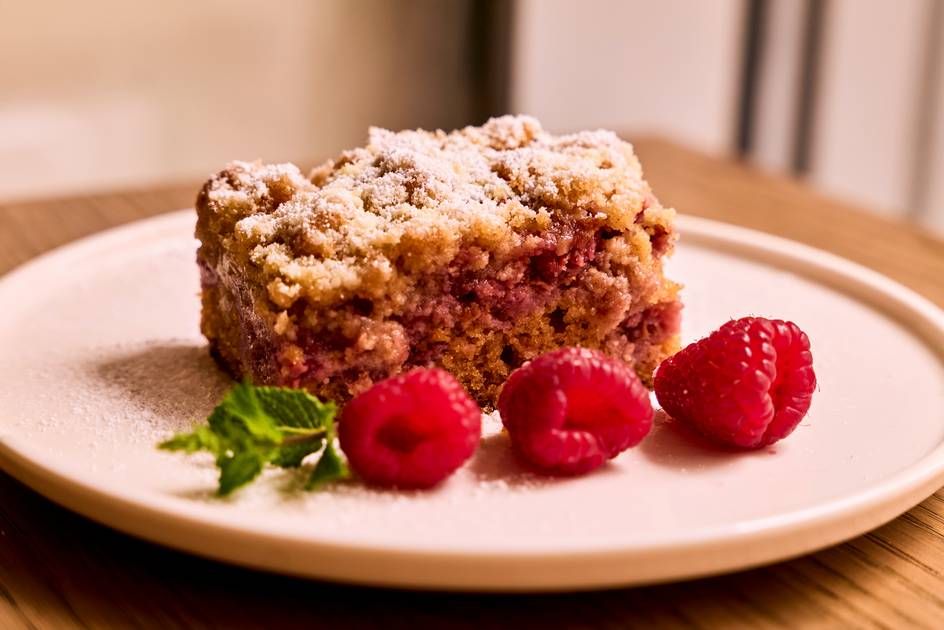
103 94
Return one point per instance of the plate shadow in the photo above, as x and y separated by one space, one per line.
176 382
673 445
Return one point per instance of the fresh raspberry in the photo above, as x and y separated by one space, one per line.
570 410
411 430
748 384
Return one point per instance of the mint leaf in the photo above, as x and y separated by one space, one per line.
203 439
290 455
303 419
330 467
295 408
243 404
239 470
254 426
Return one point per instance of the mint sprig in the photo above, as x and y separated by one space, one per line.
254 426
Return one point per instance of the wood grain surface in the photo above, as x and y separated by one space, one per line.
58 570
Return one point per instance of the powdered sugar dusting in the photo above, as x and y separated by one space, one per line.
361 216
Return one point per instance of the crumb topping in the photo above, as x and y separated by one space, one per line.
362 223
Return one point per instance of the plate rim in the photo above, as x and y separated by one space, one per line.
759 541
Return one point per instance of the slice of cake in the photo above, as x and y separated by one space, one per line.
474 250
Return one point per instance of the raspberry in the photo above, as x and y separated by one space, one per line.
570 410
411 431
748 384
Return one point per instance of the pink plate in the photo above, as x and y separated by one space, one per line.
102 358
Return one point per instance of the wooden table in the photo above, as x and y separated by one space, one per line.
58 570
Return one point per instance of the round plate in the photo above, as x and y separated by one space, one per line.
102 358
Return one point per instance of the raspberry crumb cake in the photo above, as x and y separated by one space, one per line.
474 250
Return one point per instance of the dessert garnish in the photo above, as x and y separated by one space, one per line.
748 384
254 426
410 431
569 411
